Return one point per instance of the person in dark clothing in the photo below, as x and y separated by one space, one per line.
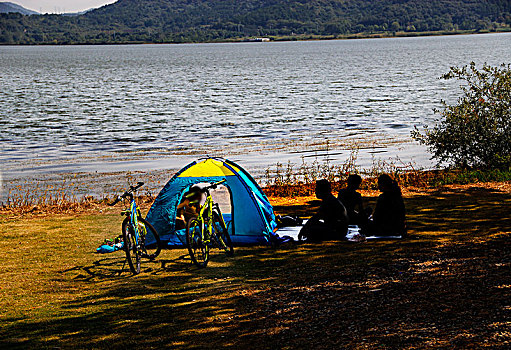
331 221
352 200
389 215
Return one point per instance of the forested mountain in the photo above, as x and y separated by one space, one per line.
210 20
7 7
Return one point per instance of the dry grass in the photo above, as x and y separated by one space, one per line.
293 180
445 287
77 206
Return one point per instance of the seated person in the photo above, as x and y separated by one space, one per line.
189 207
389 215
331 221
352 200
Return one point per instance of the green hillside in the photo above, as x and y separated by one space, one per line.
213 20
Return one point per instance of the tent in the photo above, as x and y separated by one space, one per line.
251 220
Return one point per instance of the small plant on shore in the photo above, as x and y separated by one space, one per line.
475 132
300 180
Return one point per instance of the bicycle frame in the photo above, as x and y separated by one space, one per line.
132 212
134 231
213 232
206 218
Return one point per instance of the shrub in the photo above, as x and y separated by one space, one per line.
475 132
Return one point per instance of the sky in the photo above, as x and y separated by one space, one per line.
60 6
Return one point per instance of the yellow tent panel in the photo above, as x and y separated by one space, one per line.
208 167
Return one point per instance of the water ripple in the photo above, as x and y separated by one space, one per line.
62 102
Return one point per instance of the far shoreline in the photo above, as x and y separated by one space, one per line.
304 37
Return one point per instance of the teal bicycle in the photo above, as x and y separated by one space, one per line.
135 230
207 230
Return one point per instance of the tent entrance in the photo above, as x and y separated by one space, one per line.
223 197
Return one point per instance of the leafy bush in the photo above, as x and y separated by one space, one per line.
475 132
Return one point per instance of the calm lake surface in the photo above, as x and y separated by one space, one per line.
118 108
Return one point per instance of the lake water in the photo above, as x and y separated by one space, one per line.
118 108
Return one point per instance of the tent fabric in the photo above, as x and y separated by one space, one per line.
251 221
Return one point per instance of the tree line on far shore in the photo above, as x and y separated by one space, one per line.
160 21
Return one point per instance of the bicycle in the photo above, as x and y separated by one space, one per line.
134 232
206 230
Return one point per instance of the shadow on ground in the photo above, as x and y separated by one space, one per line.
444 287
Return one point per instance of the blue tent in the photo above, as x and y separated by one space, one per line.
251 221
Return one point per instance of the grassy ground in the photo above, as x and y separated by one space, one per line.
446 286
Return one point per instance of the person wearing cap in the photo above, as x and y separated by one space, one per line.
331 220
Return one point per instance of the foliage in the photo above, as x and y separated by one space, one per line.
475 132
129 21
467 176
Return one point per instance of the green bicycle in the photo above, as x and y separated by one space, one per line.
207 230
134 232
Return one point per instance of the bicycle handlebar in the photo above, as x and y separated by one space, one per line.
117 200
214 185
127 193
139 184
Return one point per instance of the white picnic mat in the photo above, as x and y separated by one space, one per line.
293 231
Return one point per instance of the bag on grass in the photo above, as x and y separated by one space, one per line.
110 246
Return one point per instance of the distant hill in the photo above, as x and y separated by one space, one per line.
9 7
211 20
78 13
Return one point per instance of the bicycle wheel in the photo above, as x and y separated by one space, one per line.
152 247
199 251
133 253
222 235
